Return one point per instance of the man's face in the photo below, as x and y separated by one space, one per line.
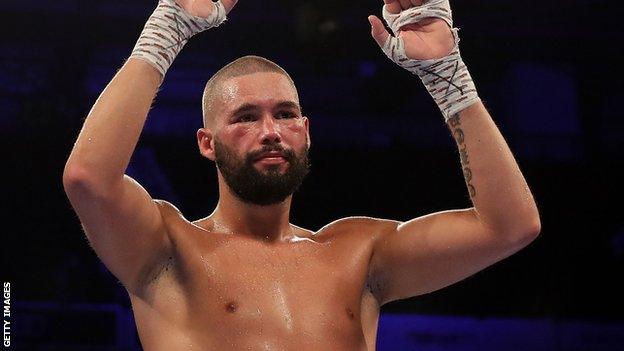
261 140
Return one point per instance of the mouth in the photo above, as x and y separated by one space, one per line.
272 156
271 159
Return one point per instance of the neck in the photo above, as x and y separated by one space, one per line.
268 223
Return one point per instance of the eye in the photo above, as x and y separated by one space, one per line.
286 114
246 118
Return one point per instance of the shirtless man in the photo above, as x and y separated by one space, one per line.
244 277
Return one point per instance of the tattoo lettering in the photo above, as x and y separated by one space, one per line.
467 174
463 155
454 120
458 135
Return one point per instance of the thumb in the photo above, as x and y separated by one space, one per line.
228 4
378 31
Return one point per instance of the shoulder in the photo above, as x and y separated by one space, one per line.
370 227
171 215
368 232
167 208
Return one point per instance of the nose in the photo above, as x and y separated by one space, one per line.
270 132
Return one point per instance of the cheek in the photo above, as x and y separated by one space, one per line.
297 126
297 132
237 137
236 134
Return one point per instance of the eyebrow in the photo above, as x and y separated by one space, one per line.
251 107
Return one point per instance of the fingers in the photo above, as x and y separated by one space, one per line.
204 8
378 31
405 4
228 4
394 6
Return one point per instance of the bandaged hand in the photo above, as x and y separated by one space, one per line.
426 44
172 24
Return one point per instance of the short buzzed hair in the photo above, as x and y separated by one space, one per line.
242 66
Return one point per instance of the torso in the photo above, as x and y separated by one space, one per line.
222 291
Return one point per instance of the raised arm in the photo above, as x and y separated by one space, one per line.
121 220
433 251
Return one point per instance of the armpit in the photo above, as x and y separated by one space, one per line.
377 285
162 267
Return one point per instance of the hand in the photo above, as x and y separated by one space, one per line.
172 24
203 8
430 38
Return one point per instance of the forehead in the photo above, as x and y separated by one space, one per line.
262 88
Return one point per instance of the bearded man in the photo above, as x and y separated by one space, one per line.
244 277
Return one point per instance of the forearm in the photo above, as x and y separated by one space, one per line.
112 128
496 186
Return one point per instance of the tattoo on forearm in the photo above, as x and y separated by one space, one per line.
458 135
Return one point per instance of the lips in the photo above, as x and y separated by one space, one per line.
272 154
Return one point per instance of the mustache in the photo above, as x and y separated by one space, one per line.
289 154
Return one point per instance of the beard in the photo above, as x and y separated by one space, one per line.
266 187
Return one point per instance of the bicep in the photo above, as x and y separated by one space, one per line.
431 252
124 226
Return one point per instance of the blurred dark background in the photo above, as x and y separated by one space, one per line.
549 72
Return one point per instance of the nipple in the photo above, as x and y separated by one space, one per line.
231 307
350 313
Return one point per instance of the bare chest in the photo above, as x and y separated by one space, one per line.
293 281
248 290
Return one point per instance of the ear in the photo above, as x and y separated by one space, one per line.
306 122
205 142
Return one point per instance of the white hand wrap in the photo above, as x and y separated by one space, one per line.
447 79
167 31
